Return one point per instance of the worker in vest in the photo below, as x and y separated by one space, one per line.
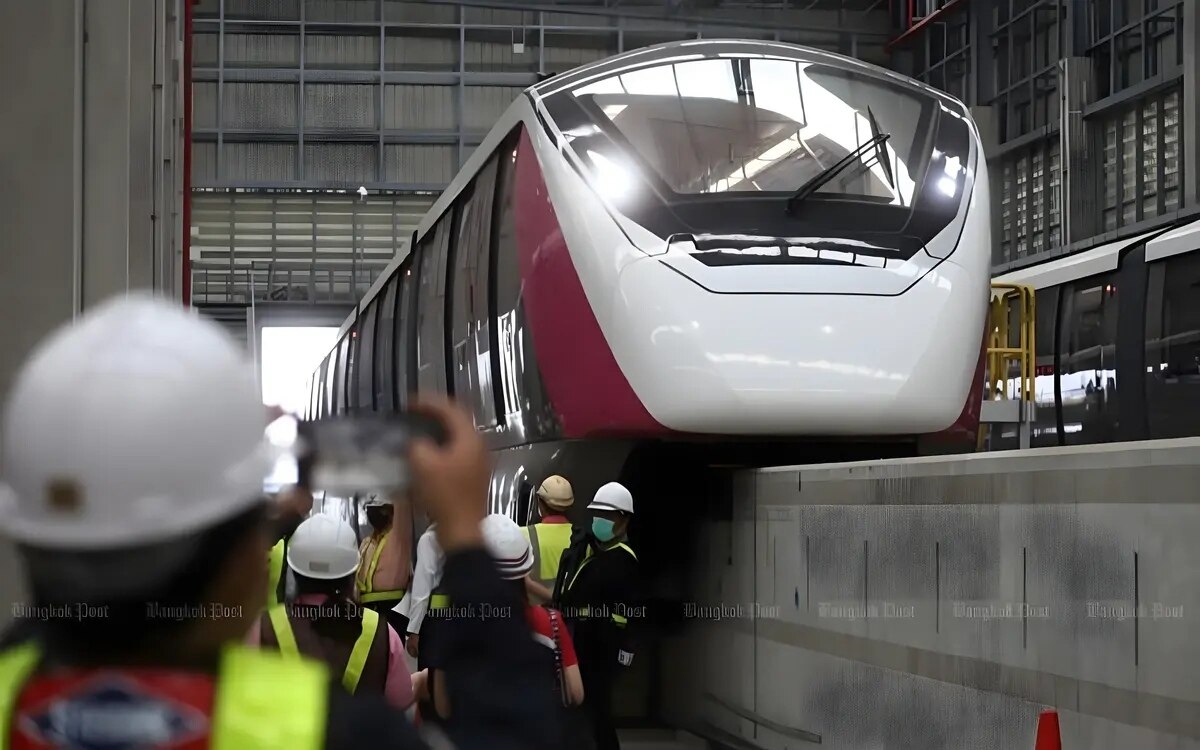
549 537
134 455
288 510
324 622
387 564
426 608
601 599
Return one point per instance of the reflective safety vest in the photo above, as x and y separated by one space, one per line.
366 579
275 581
618 619
548 541
358 656
261 701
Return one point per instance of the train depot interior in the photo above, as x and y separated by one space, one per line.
885 312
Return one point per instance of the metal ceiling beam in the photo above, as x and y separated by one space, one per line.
627 11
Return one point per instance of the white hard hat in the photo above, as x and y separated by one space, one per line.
140 423
508 546
323 547
612 496
556 492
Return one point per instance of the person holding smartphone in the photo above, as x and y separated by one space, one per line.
134 455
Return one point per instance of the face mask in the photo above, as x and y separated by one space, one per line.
602 529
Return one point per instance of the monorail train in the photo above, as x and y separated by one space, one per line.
724 252
1118 342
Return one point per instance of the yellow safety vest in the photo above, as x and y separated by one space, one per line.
282 626
262 701
618 619
366 579
275 572
548 541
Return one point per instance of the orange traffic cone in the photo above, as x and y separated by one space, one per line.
1048 737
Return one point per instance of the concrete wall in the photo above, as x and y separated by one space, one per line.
90 112
943 603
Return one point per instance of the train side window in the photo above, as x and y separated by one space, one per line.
364 365
1045 425
329 378
526 407
383 362
470 331
431 308
1173 355
1088 346
339 376
406 332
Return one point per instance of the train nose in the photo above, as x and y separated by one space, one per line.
814 364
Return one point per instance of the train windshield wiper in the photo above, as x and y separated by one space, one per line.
820 180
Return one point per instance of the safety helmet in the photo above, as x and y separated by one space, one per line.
323 547
556 492
138 424
508 546
613 496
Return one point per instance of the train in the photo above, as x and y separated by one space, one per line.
1118 342
696 255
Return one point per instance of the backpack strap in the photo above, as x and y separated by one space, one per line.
362 649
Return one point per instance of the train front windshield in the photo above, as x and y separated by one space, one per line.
707 139
710 126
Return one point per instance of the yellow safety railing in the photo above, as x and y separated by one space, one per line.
1010 342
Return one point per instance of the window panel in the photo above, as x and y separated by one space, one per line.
328 375
431 309
1173 351
385 348
339 377
364 366
406 332
470 318
1088 347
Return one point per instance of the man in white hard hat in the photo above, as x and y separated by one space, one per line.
134 461
324 622
601 599
549 536
387 557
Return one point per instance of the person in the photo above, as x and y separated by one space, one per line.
513 556
324 622
134 459
601 600
289 509
550 536
424 607
383 577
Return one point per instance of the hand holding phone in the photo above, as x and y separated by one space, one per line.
346 456
451 479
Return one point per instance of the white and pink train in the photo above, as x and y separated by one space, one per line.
694 254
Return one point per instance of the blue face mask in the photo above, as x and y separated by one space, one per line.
602 529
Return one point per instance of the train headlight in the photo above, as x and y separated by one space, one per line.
612 179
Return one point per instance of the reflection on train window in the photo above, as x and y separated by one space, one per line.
1088 346
431 308
748 124
1173 360
364 366
339 374
470 332
385 367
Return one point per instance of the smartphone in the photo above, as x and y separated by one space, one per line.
345 456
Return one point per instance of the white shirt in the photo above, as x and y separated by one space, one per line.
427 574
